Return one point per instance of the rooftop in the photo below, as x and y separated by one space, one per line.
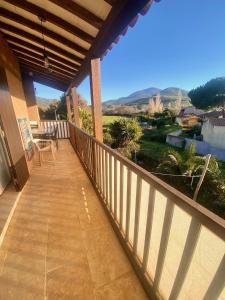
217 121
190 110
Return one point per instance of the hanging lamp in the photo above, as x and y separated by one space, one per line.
46 59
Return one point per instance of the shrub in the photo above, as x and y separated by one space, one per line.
86 120
107 138
125 131
129 150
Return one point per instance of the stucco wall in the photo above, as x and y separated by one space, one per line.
204 148
214 135
12 103
174 139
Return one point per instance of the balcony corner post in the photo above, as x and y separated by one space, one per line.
68 106
75 101
95 86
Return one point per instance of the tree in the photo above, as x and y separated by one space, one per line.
155 105
178 102
86 120
186 164
211 194
62 109
59 108
210 95
124 131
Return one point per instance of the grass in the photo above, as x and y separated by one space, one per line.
222 168
109 119
160 131
154 150
153 146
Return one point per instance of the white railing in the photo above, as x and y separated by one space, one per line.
62 126
175 245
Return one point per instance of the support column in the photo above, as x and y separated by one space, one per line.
69 113
31 102
95 83
75 99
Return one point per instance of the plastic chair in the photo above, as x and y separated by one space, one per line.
52 135
44 146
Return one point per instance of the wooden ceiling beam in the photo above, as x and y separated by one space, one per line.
49 83
40 61
31 37
42 70
60 22
45 80
80 12
111 2
54 71
18 51
120 16
11 40
25 22
46 76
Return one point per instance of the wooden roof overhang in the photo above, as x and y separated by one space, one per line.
75 32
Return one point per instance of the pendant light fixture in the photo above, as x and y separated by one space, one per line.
46 60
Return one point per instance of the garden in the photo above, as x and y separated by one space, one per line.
148 148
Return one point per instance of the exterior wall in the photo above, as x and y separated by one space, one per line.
174 139
214 135
204 148
30 97
12 107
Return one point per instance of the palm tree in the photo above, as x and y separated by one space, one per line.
212 192
188 163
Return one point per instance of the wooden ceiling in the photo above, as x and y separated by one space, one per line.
75 31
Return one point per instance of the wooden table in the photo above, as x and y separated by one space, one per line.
42 132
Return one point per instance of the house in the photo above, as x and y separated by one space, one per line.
213 132
213 114
91 224
189 116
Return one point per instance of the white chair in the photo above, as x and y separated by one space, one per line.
44 146
33 124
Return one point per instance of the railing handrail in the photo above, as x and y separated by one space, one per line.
207 218
53 120
61 125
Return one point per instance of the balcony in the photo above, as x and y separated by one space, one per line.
91 224
59 244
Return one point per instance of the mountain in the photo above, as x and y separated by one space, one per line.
141 97
44 103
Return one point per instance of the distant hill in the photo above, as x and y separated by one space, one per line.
141 97
44 103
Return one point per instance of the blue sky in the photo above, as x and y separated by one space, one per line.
178 43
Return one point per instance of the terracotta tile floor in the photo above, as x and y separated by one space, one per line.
59 244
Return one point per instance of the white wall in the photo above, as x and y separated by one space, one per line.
214 135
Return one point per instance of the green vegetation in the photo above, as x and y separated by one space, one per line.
86 120
159 134
49 112
191 132
151 152
107 120
125 134
212 94
211 194
125 131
